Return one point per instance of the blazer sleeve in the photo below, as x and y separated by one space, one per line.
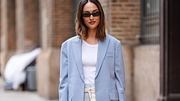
119 72
63 85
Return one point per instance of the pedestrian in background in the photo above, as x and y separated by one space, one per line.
91 63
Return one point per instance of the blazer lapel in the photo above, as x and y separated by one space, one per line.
77 51
102 48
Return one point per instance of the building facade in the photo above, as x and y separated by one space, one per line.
27 24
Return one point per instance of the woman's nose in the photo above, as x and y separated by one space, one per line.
91 17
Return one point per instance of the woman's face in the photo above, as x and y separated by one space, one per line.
91 15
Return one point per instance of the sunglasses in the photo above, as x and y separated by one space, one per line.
88 14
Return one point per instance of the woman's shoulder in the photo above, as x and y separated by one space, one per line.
113 39
71 40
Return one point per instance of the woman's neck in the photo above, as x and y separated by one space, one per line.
91 39
91 33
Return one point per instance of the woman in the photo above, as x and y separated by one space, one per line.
91 62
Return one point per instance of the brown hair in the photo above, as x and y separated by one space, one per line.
81 29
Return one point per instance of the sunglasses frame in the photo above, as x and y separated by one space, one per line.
88 14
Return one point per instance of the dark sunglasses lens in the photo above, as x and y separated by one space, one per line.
86 14
89 14
96 13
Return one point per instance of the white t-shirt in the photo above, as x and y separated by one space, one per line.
89 60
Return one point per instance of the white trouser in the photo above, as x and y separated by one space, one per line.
90 94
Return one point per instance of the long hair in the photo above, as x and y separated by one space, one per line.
80 27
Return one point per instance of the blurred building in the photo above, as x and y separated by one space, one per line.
143 26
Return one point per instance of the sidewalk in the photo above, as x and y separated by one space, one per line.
19 95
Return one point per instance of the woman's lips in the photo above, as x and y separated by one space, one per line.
92 22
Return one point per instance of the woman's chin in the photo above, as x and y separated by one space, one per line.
92 27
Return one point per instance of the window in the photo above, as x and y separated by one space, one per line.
150 22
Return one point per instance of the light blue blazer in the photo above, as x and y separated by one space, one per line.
109 79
